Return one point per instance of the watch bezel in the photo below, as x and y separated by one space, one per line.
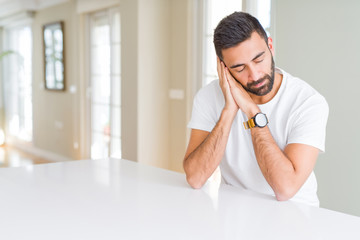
256 122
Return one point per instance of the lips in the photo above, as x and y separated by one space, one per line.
258 83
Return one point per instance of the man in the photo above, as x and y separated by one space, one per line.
262 126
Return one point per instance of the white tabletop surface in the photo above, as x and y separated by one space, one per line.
120 199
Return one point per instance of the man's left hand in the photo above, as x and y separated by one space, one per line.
242 97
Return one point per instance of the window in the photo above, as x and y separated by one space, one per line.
17 83
214 11
261 9
105 79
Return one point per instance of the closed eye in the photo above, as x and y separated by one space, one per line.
241 69
257 59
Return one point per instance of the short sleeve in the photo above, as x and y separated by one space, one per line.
309 125
204 113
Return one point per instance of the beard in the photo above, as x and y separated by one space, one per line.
267 87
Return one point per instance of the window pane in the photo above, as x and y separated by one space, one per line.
58 37
210 67
100 30
263 12
101 118
105 83
59 69
115 147
99 146
101 89
219 9
116 91
18 83
116 122
116 28
100 59
115 64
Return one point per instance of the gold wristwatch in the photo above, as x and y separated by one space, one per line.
259 120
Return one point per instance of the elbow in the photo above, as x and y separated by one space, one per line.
285 193
194 183
282 197
193 178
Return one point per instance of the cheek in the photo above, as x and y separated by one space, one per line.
266 65
234 74
239 77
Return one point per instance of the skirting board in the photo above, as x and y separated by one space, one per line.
50 156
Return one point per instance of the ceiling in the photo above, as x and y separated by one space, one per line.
10 7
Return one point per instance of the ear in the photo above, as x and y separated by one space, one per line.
271 45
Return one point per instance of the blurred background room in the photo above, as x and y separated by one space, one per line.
90 79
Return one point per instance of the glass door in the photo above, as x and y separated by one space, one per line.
18 84
105 84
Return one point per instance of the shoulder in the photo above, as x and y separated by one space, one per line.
207 106
210 94
298 91
302 100
297 85
209 90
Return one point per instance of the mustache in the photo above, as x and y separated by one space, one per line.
254 83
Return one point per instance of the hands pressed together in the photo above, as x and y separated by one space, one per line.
236 97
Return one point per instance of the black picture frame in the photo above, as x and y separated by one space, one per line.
53 53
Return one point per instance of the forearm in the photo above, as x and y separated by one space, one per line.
276 167
202 162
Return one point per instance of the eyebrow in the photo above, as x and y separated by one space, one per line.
241 64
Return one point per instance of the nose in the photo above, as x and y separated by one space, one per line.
253 73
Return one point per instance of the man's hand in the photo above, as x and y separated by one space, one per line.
206 149
241 96
230 103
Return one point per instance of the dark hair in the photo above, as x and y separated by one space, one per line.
234 29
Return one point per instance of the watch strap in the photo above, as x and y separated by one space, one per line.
249 124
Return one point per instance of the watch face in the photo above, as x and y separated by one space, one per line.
261 120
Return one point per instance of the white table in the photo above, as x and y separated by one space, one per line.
120 199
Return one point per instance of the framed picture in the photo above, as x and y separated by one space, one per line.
54 62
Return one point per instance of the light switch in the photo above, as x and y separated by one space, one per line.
59 125
177 94
72 89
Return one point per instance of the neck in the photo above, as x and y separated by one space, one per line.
266 98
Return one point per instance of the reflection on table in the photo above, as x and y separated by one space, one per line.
120 199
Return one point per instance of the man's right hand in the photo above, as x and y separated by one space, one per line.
230 103
206 149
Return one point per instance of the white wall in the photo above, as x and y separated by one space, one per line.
129 75
319 42
178 79
153 82
154 41
51 107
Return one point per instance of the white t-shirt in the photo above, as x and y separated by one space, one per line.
297 114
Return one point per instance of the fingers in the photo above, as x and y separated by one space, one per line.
233 83
229 78
221 71
226 79
218 65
